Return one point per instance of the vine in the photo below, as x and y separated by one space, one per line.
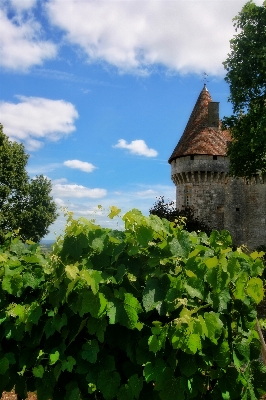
151 312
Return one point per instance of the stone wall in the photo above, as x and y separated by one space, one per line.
222 202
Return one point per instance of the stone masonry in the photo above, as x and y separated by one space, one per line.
200 171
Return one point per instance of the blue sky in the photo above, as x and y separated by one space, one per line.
100 92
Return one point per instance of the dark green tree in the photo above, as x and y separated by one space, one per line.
167 210
246 75
25 204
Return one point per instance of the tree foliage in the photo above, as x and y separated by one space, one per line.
152 312
186 216
25 204
246 75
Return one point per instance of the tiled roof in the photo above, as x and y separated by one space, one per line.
198 137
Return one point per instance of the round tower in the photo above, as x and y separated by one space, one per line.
199 166
200 171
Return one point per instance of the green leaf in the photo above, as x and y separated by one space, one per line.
35 313
222 355
144 235
12 284
211 262
187 364
108 383
114 211
135 385
97 244
241 283
193 343
90 351
181 247
94 304
195 287
255 289
97 327
72 391
54 357
93 278
132 308
132 389
213 325
153 294
153 372
68 364
171 387
38 371
72 271
4 365
73 246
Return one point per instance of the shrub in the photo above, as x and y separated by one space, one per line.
152 312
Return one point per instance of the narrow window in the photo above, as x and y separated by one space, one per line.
192 157
214 157
187 196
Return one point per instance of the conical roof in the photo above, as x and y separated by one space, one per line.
198 136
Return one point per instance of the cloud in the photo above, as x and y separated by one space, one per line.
134 36
21 45
82 165
148 194
21 5
35 118
77 191
138 147
141 197
42 169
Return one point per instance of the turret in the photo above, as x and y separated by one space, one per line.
200 171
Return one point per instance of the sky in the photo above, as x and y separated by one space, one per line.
100 91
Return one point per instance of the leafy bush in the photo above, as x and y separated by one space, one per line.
153 312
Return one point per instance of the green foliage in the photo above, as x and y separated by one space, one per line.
25 205
153 312
246 75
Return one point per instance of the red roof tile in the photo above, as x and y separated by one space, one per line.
198 137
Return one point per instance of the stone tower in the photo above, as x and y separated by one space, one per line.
200 171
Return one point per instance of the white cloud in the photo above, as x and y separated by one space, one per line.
148 194
59 202
82 165
138 147
134 36
21 5
42 169
77 191
35 118
21 45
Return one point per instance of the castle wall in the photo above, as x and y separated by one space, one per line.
222 202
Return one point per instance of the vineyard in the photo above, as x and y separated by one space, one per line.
150 312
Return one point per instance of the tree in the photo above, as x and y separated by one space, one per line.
25 204
246 75
168 211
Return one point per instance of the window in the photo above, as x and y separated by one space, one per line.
237 209
192 157
188 190
214 157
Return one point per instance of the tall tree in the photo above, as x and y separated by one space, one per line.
25 204
246 75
